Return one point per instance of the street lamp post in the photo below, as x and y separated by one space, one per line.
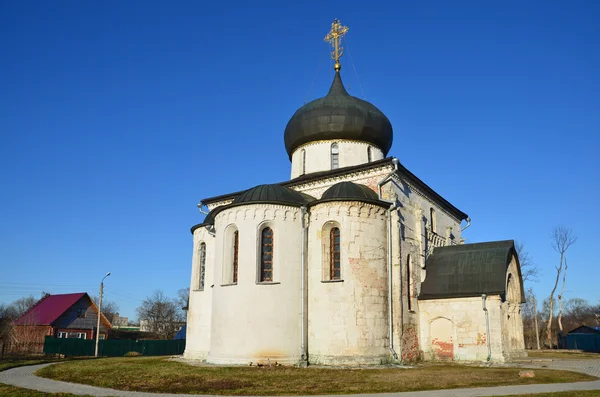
100 313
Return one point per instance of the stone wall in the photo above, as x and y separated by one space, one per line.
347 318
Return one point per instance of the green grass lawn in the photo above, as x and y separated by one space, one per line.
151 374
562 354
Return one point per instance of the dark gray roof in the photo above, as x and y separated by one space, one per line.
338 115
584 329
350 191
208 220
468 270
261 194
273 194
402 172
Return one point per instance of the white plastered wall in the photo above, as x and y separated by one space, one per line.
252 321
317 155
347 320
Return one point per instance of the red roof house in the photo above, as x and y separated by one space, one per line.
60 316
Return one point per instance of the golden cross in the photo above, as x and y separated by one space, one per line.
333 37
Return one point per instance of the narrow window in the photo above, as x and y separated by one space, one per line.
235 256
202 265
369 154
266 259
432 219
334 254
409 282
335 153
303 158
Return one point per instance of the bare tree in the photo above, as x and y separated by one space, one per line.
529 270
531 304
109 308
562 238
161 314
22 305
183 298
7 315
560 296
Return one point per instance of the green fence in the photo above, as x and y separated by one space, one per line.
112 348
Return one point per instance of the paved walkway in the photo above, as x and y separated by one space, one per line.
24 377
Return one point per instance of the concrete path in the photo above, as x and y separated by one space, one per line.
24 377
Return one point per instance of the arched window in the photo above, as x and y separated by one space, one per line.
234 264
266 258
303 159
335 153
201 265
409 282
334 254
369 156
432 219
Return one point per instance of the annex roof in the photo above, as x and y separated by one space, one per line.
468 270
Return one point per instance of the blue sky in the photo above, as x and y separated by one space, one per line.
116 118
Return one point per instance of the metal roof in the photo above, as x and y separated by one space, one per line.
338 115
261 194
350 191
51 307
403 172
48 309
468 270
273 194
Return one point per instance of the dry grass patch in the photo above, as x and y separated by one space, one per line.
150 374
558 354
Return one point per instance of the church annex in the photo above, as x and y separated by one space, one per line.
352 261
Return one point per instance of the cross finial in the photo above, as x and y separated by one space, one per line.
335 34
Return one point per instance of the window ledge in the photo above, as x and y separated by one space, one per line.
332 281
227 285
267 282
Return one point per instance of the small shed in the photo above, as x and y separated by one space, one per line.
584 338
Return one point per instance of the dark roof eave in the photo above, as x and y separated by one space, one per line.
445 203
379 203
402 171
306 178
224 207
198 226
458 295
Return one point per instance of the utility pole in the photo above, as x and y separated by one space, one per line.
99 313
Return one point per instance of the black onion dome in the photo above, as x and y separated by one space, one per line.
350 191
272 194
338 115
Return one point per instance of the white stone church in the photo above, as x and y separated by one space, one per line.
352 261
